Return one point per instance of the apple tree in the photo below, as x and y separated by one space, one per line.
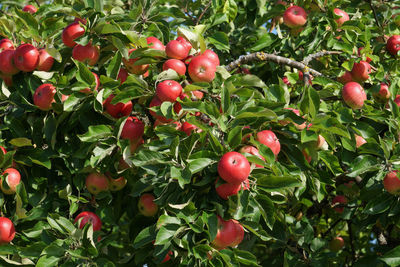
199 133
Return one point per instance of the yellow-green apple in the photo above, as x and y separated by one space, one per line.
384 94
361 71
7 65
233 167
6 44
391 182
345 78
211 55
155 102
269 139
175 64
154 43
336 244
7 230
72 32
30 9
343 16
88 217
12 179
96 183
26 57
146 205
201 69
133 129
44 96
337 201
87 54
119 109
393 44
295 17
131 67
97 83
117 184
122 75
168 90
354 95
253 151
176 49
45 61
359 140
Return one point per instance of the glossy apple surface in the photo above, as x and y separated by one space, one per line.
233 167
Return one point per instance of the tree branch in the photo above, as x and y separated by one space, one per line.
311 57
204 11
375 15
330 228
353 252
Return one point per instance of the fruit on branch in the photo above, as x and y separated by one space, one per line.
234 168
7 65
176 65
239 234
7 230
97 84
359 140
345 78
336 244
185 42
253 151
132 68
391 182
155 102
189 128
96 183
298 126
117 184
226 190
26 57
269 139
154 43
384 94
43 97
393 44
168 90
30 9
88 217
177 105
122 75
88 54
337 201
295 17
6 44
211 55
197 94
361 71
229 233
45 61
344 16
133 129
354 95
119 109
177 50
146 205
167 257
12 179
72 32
201 69
134 144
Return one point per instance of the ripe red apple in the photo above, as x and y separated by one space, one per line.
185 42
336 244
146 205
384 94
233 167
253 151
168 90
286 80
88 217
26 57
189 128
391 182
197 94
211 55
7 65
201 69
7 230
133 128
337 200
154 103
228 233
343 14
368 59
13 178
117 184
177 105
45 61
122 75
239 234
97 81
118 110
30 8
345 78
88 54
44 96
134 144
393 44
177 50
361 71
72 32
295 17
6 44
227 189
96 183
154 43
354 95
269 139
7 79
131 67
176 65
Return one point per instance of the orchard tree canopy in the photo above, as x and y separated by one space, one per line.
200 133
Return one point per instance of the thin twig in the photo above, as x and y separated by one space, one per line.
375 15
311 57
330 228
204 11
37 3
353 252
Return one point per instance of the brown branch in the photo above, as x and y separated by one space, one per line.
311 57
330 228
204 11
375 15
37 3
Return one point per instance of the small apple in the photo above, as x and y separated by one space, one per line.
72 32
154 103
345 78
393 44
201 69
26 57
211 55
337 201
97 82
233 167
397 100
131 67
7 230
321 142
285 80
30 9
253 151
117 184
176 65
354 95
122 75
119 109
227 234
269 139
198 95
88 54
45 61
299 127
189 128
295 17
133 128
343 14
146 205
361 71
384 94
227 189
88 217
336 244
96 183
359 141
391 182
6 44
177 50
168 90
12 179
44 96
154 43
7 65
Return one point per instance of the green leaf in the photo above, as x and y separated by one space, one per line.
197 165
114 66
272 182
145 236
20 142
84 75
95 133
392 258
235 137
166 233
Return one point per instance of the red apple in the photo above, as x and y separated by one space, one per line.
345 78
131 67
397 100
228 233
343 14
368 59
133 128
185 42
30 9
118 110
7 79
361 71
45 61
176 65
88 54
154 103
117 184
177 105
44 96
177 50
168 90
146 205
6 44
7 65
306 155
154 43
239 234
88 217
269 139
297 112
122 75
295 17
391 182
253 151
26 57
286 80
354 95
211 55
393 44
189 128
384 94
97 82
197 94
233 167
72 32
134 144
336 244
96 183
337 200
168 256
7 230
227 189
201 69
13 178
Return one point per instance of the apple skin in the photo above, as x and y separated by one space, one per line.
336 244
177 105
177 50
359 141
397 100
239 234
189 128
168 90
134 144
146 205
154 43
117 184
96 183
30 9
176 65
7 79
168 256
154 103
361 71
118 110
343 14
72 32
321 142
13 179
7 230
269 139
346 78
211 55
185 42
7 65
299 127
295 17
26 57
97 82
133 129
285 80
341 200
45 61
89 217
87 54
228 234
234 168
227 189
391 182
354 95
393 44
6 44
122 75
253 151
201 69
197 94
44 96
131 67
384 94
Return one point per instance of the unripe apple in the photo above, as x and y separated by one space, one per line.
154 103
359 141
336 244
361 71
211 55
131 67
176 65
45 61
87 54
117 184
122 75
233 167
253 151
12 179
30 9
96 183
7 230
168 90
133 128
269 139
201 69
119 109
146 205
26 57
6 44
295 17
391 182
343 14
345 78
337 200
72 32
384 94
44 96
177 50
88 217
393 44
7 65
154 43
97 82
354 95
